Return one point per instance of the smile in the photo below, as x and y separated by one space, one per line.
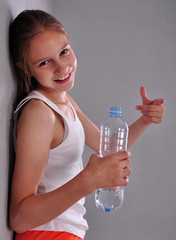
61 79
64 79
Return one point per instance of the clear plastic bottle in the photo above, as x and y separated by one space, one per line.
114 136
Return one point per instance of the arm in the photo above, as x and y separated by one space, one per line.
152 112
34 139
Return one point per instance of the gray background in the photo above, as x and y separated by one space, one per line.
120 45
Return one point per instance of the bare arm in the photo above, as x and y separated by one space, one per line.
152 112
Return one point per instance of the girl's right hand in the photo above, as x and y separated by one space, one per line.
109 171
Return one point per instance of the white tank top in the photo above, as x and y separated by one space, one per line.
64 163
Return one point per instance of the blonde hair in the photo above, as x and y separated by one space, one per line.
23 29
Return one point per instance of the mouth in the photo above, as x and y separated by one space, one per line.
64 79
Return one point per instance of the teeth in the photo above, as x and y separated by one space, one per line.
61 79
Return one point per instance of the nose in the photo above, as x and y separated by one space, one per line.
61 68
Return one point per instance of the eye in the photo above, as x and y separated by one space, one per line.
65 51
44 63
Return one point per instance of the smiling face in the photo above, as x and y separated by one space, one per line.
51 61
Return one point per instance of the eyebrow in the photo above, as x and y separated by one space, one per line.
44 58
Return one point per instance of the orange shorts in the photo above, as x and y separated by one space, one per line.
46 235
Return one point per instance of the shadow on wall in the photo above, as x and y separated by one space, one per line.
11 166
12 105
11 145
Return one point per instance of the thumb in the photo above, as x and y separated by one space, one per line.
145 99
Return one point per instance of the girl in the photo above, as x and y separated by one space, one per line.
49 183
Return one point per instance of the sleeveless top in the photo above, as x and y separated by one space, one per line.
64 163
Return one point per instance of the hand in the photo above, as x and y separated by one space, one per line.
152 110
109 171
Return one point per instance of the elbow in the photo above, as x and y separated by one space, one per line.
17 224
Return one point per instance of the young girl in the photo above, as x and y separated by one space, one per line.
49 182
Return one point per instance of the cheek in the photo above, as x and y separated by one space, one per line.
40 76
74 62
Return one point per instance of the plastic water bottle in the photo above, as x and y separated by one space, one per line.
113 138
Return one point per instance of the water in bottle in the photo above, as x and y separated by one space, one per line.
113 138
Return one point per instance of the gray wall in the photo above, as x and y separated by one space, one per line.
122 45
8 10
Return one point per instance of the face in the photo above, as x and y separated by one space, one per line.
51 61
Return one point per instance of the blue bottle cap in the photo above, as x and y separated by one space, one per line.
115 110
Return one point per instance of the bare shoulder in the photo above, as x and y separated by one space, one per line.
38 110
36 121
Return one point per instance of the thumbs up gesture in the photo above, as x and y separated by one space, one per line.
152 110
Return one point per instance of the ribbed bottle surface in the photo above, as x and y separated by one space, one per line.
113 138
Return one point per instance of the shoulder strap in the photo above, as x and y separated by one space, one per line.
38 95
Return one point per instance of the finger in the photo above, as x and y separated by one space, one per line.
152 114
158 101
145 99
150 108
124 164
121 155
126 172
124 181
154 119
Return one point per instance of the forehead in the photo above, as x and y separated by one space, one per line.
46 43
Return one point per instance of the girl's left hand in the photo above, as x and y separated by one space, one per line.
152 110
